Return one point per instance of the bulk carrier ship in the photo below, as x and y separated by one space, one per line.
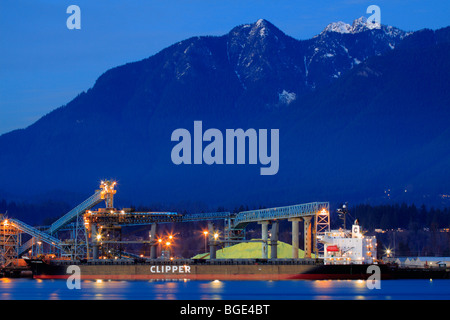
233 269
95 245
236 269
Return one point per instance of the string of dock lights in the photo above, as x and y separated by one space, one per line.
206 233
165 242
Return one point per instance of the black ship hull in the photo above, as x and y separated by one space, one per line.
223 270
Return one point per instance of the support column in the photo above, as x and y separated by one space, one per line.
274 240
264 236
211 241
212 249
154 243
307 229
210 229
295 236
33 246
96 245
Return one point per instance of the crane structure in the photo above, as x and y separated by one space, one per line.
85 233
10 239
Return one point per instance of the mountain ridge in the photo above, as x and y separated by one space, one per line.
253 77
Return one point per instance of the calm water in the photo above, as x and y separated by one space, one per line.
17 289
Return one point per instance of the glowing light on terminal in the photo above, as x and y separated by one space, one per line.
388 252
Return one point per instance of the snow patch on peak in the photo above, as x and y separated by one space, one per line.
262 32
362 21
259 22
286 97
362 24
340 27
260 27
359 25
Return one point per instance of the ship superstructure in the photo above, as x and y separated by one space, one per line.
349 246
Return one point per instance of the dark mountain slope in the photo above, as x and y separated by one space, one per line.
385 123
356 111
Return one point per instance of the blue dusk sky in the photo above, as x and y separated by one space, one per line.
44 65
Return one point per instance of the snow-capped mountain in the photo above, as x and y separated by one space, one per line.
260 52
341 46
357 108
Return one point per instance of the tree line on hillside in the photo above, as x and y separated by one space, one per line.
34 213
371 217
394 216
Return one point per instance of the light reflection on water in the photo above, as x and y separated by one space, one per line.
18 289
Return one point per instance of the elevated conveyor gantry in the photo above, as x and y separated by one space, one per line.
106 193
32 231
313 212
279 213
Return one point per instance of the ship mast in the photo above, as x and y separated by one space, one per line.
342 213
